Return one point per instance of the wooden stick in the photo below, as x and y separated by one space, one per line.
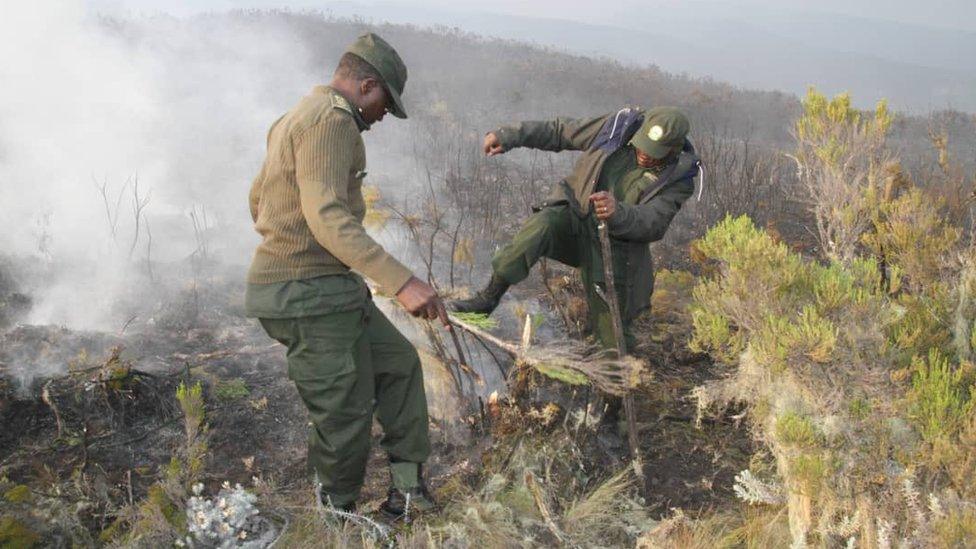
457 346
540 502
618 334
506 346
46 398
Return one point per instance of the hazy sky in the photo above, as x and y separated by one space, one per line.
959 14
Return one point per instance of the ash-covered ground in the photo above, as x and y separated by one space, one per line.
90 421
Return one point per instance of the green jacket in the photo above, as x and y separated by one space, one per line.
643 218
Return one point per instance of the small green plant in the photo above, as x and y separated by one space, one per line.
232 389
939 398
160 517
194 452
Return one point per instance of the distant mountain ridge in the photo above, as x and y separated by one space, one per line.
917 68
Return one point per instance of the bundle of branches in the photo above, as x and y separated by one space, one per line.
570 362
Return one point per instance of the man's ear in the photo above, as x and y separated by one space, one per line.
367 85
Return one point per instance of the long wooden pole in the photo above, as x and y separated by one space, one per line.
618 334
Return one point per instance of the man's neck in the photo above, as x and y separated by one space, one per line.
348 92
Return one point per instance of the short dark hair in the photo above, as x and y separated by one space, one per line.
356 68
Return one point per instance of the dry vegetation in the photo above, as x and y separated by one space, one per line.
807 369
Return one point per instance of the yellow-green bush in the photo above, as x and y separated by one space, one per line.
939 397
841 155
855 388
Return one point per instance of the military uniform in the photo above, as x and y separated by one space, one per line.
565 229
346 358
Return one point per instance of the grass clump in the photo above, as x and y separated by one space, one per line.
16 535
18 494
793 429
956 529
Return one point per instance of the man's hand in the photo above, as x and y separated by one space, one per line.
419 299
604 204
492 145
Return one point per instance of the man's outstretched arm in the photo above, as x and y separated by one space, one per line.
561 134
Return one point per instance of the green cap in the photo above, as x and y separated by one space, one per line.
382 57
664 131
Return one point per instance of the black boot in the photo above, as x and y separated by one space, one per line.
483 302
407 505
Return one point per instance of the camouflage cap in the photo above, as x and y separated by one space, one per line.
382 57
663 132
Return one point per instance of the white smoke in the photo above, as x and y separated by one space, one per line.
86 102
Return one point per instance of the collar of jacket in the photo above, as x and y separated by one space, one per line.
344 104
684 167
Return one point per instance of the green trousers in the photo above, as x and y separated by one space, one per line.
346 365
558 233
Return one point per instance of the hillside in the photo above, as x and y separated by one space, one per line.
813 310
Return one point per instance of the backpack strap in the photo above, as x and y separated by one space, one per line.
618 129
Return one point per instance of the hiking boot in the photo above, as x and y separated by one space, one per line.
483 302
407 504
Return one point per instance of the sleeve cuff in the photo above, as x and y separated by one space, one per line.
391 275
619 217
506 136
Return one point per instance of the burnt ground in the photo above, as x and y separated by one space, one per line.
89 421
687 466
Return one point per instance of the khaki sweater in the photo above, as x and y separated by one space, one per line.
307 201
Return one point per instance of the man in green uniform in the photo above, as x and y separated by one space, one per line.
347 360
636 170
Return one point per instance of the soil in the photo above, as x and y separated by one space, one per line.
73 413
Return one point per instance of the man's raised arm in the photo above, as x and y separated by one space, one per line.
561 134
